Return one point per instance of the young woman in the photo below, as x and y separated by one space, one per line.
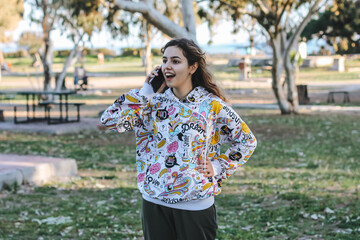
178 136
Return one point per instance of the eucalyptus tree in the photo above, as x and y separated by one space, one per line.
168 16
338 25
78 19
148 10
11 12
46 14
283 21
31 41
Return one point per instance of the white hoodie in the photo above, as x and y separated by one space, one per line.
172 135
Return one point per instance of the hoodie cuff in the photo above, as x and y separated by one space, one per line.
147 91
217 167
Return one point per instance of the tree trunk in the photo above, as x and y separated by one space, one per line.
46 59
148 57
292 95
188 17
277 70
67 64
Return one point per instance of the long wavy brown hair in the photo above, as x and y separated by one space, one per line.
193 53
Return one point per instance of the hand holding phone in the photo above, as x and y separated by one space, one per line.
157 81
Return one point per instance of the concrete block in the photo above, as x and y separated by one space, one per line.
9 176
35 170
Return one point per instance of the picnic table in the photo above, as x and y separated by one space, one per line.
34 101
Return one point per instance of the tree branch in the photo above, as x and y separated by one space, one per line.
188 17
282 12
302 25
133 7
263 6
156 18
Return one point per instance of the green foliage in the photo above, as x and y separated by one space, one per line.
339 25
131 52
11 12
32 41
16 54
62 53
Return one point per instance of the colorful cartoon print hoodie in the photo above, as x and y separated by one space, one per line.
172 135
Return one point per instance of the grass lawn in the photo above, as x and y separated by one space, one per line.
301 183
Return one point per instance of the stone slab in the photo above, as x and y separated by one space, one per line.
34 170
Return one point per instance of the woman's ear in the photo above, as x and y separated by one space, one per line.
194 67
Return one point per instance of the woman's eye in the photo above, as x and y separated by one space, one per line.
175 61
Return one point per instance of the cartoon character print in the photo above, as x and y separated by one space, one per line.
178 186
131 99
173 147
196 145
196 151
213 107
162 114
144 138
174 128
140 165
235 156
171 161
120 100
155 168
124 124
185 112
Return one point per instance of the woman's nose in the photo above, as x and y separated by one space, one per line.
166 65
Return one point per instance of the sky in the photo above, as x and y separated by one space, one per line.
223 40
101 39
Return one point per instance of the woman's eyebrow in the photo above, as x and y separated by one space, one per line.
173 57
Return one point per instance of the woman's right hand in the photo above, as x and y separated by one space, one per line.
152 74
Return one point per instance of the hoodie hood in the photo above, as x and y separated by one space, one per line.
196 96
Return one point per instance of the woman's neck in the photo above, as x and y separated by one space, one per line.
183 91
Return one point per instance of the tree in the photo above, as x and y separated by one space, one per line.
164 15
75 17
339 25
283 20
161 21
31 41
11 12
45 13
79 19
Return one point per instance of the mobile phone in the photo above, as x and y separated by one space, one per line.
157 81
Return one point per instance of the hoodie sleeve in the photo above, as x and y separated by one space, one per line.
127 110
232 129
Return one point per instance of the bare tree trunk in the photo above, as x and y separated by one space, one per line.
292 95
67 64
188 17
46 56
148 57
277 70
46 59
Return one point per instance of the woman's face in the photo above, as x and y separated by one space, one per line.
176 69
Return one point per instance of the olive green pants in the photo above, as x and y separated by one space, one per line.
163 223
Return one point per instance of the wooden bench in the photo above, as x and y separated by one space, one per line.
49 104
344 93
